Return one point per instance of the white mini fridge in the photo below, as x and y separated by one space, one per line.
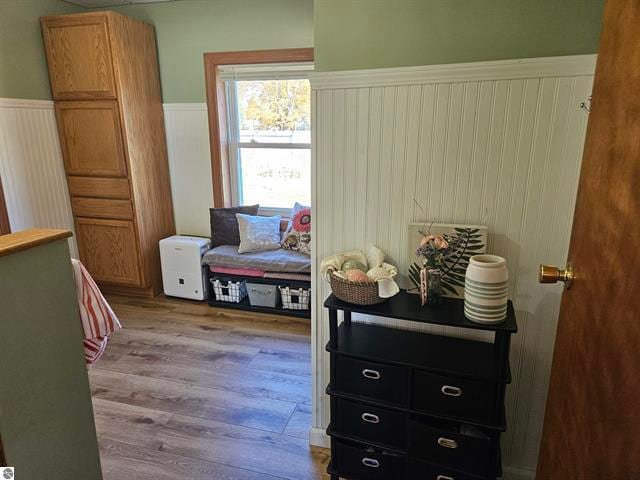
182 272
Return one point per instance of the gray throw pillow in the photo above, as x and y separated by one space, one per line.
224 225
258 233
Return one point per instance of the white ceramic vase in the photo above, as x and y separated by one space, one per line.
486 288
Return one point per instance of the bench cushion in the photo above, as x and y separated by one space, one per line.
270 261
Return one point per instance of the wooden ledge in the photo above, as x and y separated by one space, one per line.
16 242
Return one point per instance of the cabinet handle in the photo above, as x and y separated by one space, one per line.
370 462
372 374
370 418
447 443
451 391
444 477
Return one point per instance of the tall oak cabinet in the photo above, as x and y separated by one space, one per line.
103 69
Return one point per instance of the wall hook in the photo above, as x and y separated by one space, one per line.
586 106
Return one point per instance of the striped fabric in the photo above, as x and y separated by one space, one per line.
98 320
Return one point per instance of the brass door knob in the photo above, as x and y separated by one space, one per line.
553 274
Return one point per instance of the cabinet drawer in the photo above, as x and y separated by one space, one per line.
359 461
425 471
99 187
102 208
369 423
91 138
466 399
458 446
109 250
371 379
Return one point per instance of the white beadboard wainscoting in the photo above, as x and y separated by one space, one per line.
190 166
31 168
492 143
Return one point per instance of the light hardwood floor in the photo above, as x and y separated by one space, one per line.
186 391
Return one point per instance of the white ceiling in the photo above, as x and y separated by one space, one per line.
111 3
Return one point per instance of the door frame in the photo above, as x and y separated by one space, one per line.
5 226
216 107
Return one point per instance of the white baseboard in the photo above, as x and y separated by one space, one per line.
318 438
511 473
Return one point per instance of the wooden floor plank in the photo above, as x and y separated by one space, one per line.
186 391
170 349
246 381
206 403
283 362
274 454
122 461
298 425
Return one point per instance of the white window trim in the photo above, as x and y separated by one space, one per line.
232 73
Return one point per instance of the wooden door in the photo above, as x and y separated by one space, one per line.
592 423
79 56
109 250
91 137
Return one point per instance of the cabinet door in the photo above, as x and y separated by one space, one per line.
91 138
109 250
79 56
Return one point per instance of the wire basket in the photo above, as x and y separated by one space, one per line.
295 298
358 293
228 291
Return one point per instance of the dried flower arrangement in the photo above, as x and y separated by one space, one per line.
449 253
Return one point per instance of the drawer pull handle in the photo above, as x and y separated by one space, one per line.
444 477
451 391
370 462
372 374
370 418
447 443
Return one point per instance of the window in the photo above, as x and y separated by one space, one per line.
269 133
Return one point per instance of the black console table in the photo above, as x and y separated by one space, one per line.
410 405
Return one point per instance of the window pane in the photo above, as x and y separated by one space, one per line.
275 177
276 111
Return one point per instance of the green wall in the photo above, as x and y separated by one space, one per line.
188 28
23 68
46 417
360 34
349 34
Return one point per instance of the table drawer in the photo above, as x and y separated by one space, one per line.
358 461
369 423
418 470
456 397
102 208
458 446
372 380
99 187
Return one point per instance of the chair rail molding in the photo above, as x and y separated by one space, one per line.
569 66
490 143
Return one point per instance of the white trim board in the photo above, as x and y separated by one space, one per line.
318 438
568 66
48 104
26 103
197 107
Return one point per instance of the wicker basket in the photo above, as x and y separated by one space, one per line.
359 293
